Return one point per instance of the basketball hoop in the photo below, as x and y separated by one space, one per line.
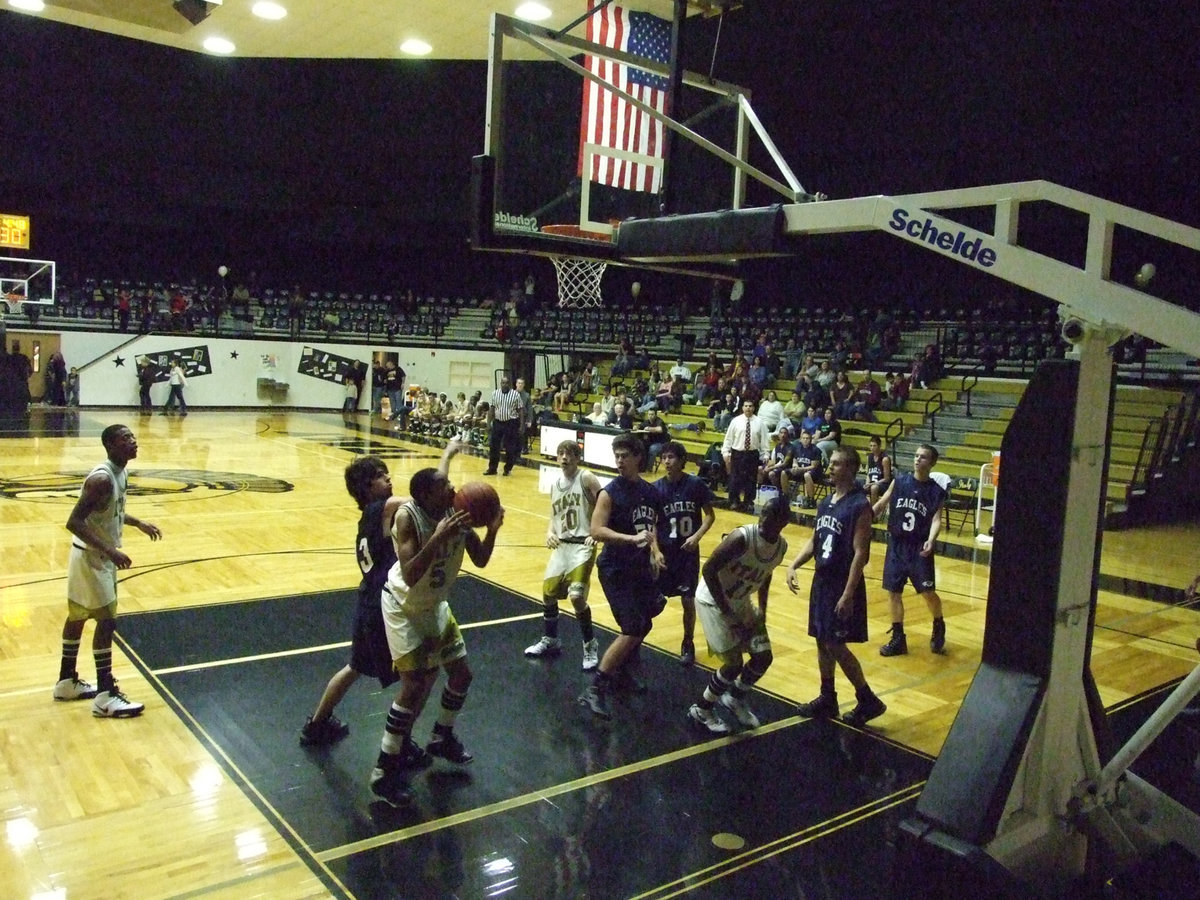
579 281
578 276
12 305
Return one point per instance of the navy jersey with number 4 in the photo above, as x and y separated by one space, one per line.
833 536
683 505
914 506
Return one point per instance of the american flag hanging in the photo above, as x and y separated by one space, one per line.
609 120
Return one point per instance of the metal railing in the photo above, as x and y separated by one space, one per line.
931 415
963 387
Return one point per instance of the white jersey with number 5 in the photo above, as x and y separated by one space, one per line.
742 577
412 612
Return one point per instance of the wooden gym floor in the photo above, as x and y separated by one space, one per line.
232 624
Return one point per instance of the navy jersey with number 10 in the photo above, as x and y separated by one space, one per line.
683 505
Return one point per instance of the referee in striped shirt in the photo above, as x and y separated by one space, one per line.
506 413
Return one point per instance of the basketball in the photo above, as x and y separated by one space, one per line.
480 500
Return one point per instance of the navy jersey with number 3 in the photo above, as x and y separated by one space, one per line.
375 553
914 505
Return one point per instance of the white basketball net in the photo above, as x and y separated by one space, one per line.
579 281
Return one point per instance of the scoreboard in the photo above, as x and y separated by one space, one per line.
14 231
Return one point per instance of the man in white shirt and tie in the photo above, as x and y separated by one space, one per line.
746 445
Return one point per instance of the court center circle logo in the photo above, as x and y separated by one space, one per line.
142 483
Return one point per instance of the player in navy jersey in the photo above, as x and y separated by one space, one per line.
368 482
878 469
914 504
625 521
687 517
837 603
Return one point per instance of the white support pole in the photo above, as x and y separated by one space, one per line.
1035 838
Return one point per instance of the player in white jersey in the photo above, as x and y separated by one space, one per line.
740 567
573 554
96 523
430 538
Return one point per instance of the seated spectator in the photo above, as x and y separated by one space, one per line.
770 411
841 396
795 409
825 375
723 411
895 389
620 418
608 401
662 394
681 370
817 397
828 436
811 421
623 363
597 416
459 408
758 376
839 359
773 363
793 356
866 399
706 384
806 469
778 459
646 400
590 378
758 353
654 433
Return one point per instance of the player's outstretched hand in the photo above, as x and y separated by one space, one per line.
149 529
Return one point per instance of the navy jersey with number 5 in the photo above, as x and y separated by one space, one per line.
914 506
635 506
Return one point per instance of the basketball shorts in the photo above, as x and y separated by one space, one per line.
421 639
569 563
634 602
369 652
680 575
91 579
824 624
729 637
904 563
